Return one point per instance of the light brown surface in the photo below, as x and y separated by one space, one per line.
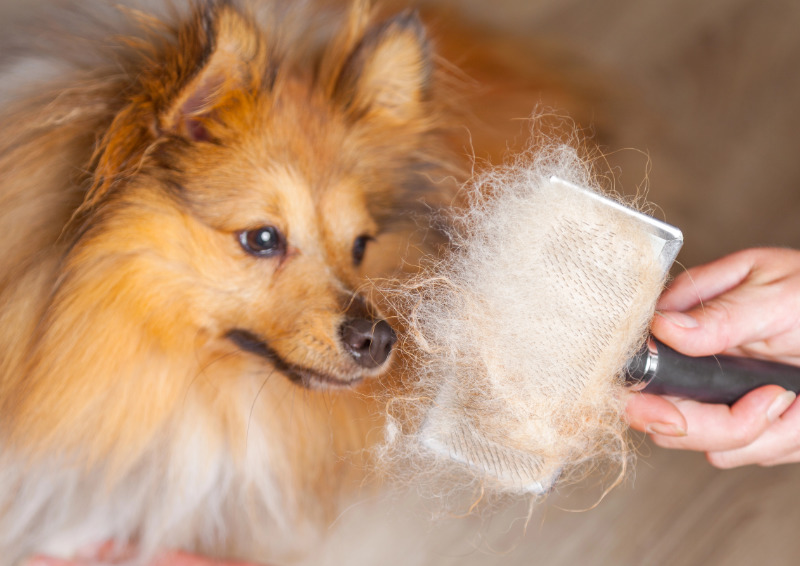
708 90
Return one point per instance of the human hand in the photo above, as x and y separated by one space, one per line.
745 304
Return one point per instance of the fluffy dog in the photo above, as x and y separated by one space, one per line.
186 359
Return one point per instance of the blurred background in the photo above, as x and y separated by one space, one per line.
695 103
697 100
699 103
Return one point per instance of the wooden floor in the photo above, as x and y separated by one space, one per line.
709 93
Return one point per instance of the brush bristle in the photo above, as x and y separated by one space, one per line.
519 337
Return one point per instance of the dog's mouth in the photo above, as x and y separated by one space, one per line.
304 376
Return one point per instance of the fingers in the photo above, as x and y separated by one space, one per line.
763 427
758 316
696 316
716 327
753 321
655 414
747 303
779 444
702 283
720 428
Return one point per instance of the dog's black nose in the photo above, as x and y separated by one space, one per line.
369 342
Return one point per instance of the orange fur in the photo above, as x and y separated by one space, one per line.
123 189
126 410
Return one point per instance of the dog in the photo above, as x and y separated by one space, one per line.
188 356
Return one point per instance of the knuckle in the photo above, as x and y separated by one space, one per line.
744 434
720 312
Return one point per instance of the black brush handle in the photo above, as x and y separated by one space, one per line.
711 379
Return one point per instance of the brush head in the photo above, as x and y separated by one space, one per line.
521 335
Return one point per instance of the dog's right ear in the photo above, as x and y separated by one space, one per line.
229 60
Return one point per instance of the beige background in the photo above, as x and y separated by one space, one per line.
709 90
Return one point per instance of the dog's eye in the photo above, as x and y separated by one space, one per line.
266 241
359 247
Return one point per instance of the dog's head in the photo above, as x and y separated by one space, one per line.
246 186
242 181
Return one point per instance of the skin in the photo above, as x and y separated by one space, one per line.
745 304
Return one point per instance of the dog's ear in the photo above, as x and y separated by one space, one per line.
183 88
387 74
231 61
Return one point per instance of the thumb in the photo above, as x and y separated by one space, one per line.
742 301
726 322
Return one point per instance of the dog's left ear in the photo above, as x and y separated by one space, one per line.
387 75
232 61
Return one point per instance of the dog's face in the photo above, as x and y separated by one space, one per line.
252 207
283 211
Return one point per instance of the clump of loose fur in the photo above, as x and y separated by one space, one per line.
518 338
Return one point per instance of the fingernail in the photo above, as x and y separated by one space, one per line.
679 319
665 429
780 404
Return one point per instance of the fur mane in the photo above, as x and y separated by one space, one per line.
172 447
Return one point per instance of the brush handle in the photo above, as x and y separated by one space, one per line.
711 379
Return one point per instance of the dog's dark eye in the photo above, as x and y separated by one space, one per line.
359 247
266 241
